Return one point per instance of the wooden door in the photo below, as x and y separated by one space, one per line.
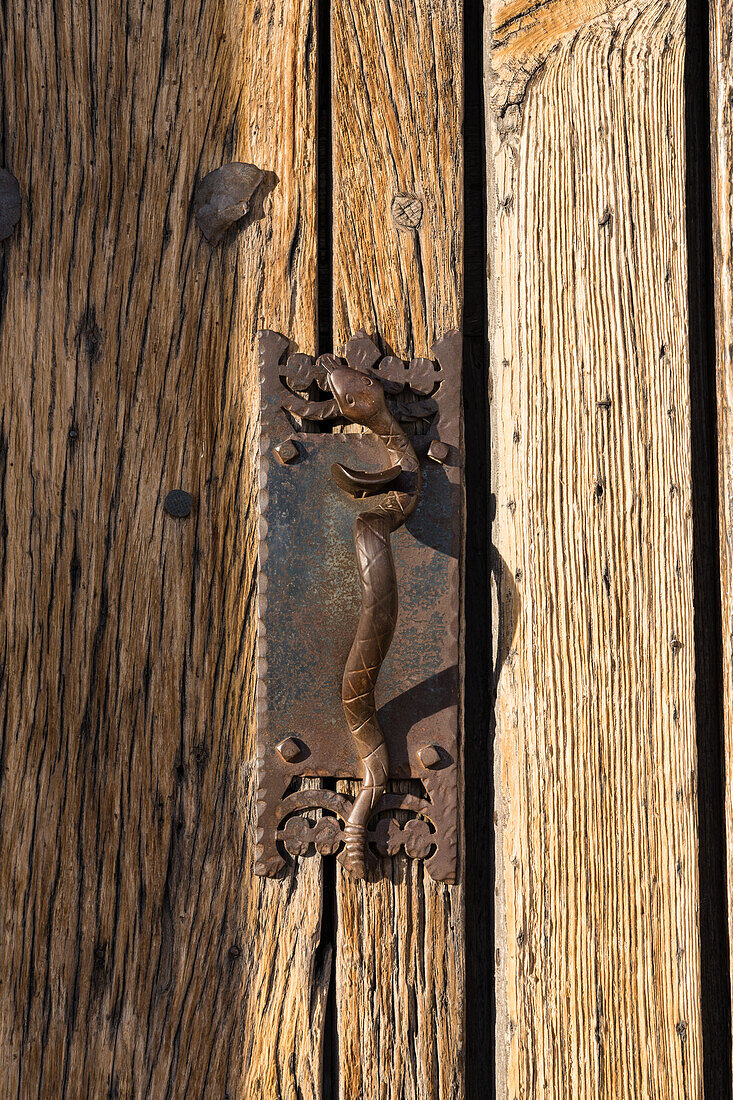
540 177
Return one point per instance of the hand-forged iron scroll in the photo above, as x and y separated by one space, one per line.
299 399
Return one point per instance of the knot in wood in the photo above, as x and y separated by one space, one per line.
406 211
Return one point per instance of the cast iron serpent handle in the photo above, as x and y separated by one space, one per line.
360 399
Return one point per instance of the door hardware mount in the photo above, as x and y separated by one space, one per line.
359 604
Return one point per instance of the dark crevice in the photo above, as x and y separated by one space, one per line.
329 912
478 871
715 971
328 944
325 181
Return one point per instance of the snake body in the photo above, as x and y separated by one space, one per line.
360 399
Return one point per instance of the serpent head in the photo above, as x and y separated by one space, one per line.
359 397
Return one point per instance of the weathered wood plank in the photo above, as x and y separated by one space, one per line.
721 146
140 957
598 967
397 129
397 113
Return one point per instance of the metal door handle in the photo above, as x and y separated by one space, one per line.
360 399
320 656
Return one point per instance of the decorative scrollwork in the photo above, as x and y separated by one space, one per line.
387 836
328 836
297 836
415 836
306 395
300 834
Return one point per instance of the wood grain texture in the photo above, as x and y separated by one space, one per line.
523 35
598 963
139 956
397 118
397 115
721 146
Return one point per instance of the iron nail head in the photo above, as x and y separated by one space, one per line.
406 211
287 452
439 452
178 503
289 750
429 756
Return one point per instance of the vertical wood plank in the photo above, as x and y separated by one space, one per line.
140 957
397 114
598 971
721 147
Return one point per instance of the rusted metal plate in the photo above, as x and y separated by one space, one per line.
309 608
